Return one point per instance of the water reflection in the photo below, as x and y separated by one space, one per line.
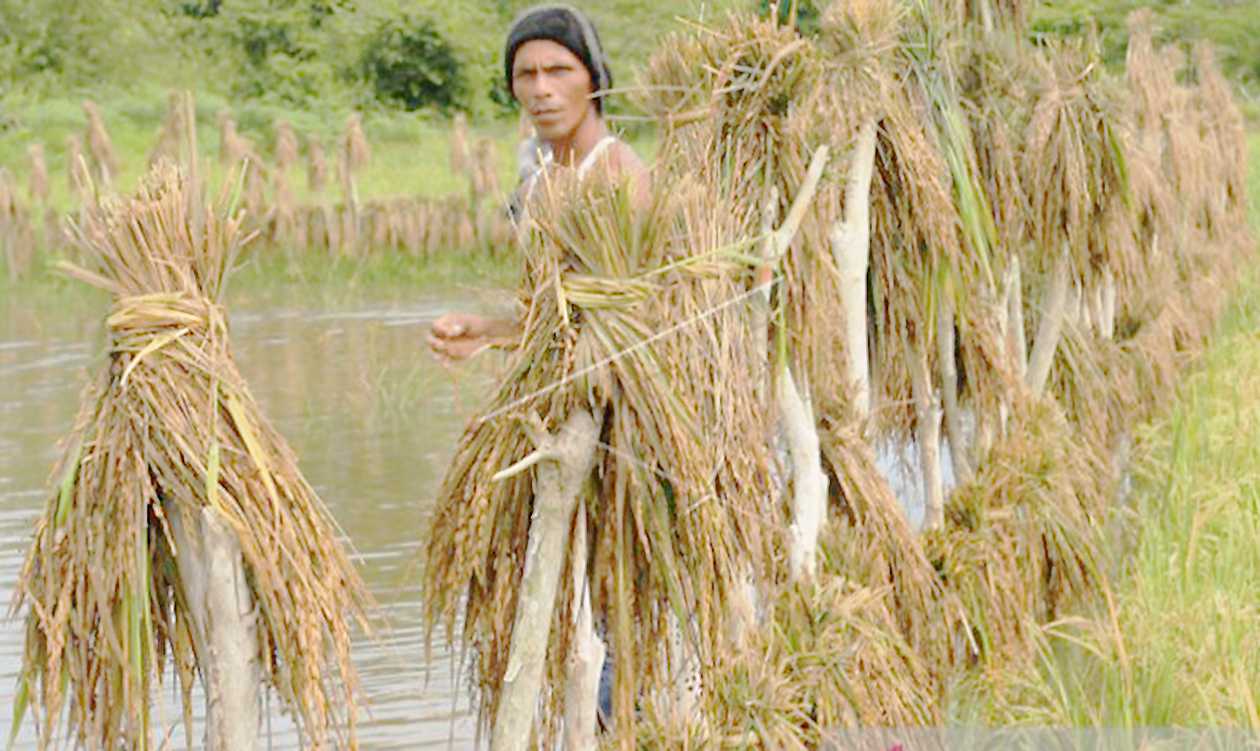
373 421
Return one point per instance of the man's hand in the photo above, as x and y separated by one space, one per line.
458 336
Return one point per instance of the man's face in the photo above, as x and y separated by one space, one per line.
553 86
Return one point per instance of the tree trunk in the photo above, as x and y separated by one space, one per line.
565 460
212 573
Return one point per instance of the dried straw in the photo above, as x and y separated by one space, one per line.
100 147
37 184
171 426
673 516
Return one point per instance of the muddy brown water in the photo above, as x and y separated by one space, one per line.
373 420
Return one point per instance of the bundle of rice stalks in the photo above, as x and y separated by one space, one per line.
830 658
286 146
460 155
354 150
171 134
640 319
100 147
1226 134
1026 536
316 164
16 237
1074 168
170 433
871 542
37 182
77 178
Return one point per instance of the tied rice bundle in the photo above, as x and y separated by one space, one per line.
1075 171
170 431
641 319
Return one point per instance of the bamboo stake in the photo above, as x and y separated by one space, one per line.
586 659
809 483
1016 341
945 337
565 461
809 499
1053 311
928 428
851 246
1107 311
212 572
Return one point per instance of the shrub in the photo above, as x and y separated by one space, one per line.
407 62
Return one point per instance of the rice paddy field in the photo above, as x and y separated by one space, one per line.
1080 553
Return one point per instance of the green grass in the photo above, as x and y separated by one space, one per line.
1178 641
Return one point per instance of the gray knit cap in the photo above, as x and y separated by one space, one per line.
564 25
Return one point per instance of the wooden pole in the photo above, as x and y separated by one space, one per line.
565 460
851 247
1051 326
586 659
212 572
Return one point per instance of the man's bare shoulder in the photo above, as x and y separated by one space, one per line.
623 162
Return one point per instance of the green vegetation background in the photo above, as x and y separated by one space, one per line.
407 64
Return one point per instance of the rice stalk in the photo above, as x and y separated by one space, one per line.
673 518
170 426
100 147
37 181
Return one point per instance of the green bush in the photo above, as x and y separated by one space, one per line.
408 63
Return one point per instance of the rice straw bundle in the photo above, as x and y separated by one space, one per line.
77 177
1227 135
171 134
100 147
170 431
286 146
871 542
1074 168
355 150
830 658
460 156
316 164
37 184
674 517
1026 536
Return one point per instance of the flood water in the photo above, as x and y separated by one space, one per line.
373 420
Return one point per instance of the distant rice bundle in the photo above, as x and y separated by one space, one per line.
100 147
355 150
1225 132
316 164
169 429
171 134
1075 172
37 185
286 146
641 321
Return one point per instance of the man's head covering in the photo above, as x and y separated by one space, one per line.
564 25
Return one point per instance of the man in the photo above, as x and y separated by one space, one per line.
557 71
